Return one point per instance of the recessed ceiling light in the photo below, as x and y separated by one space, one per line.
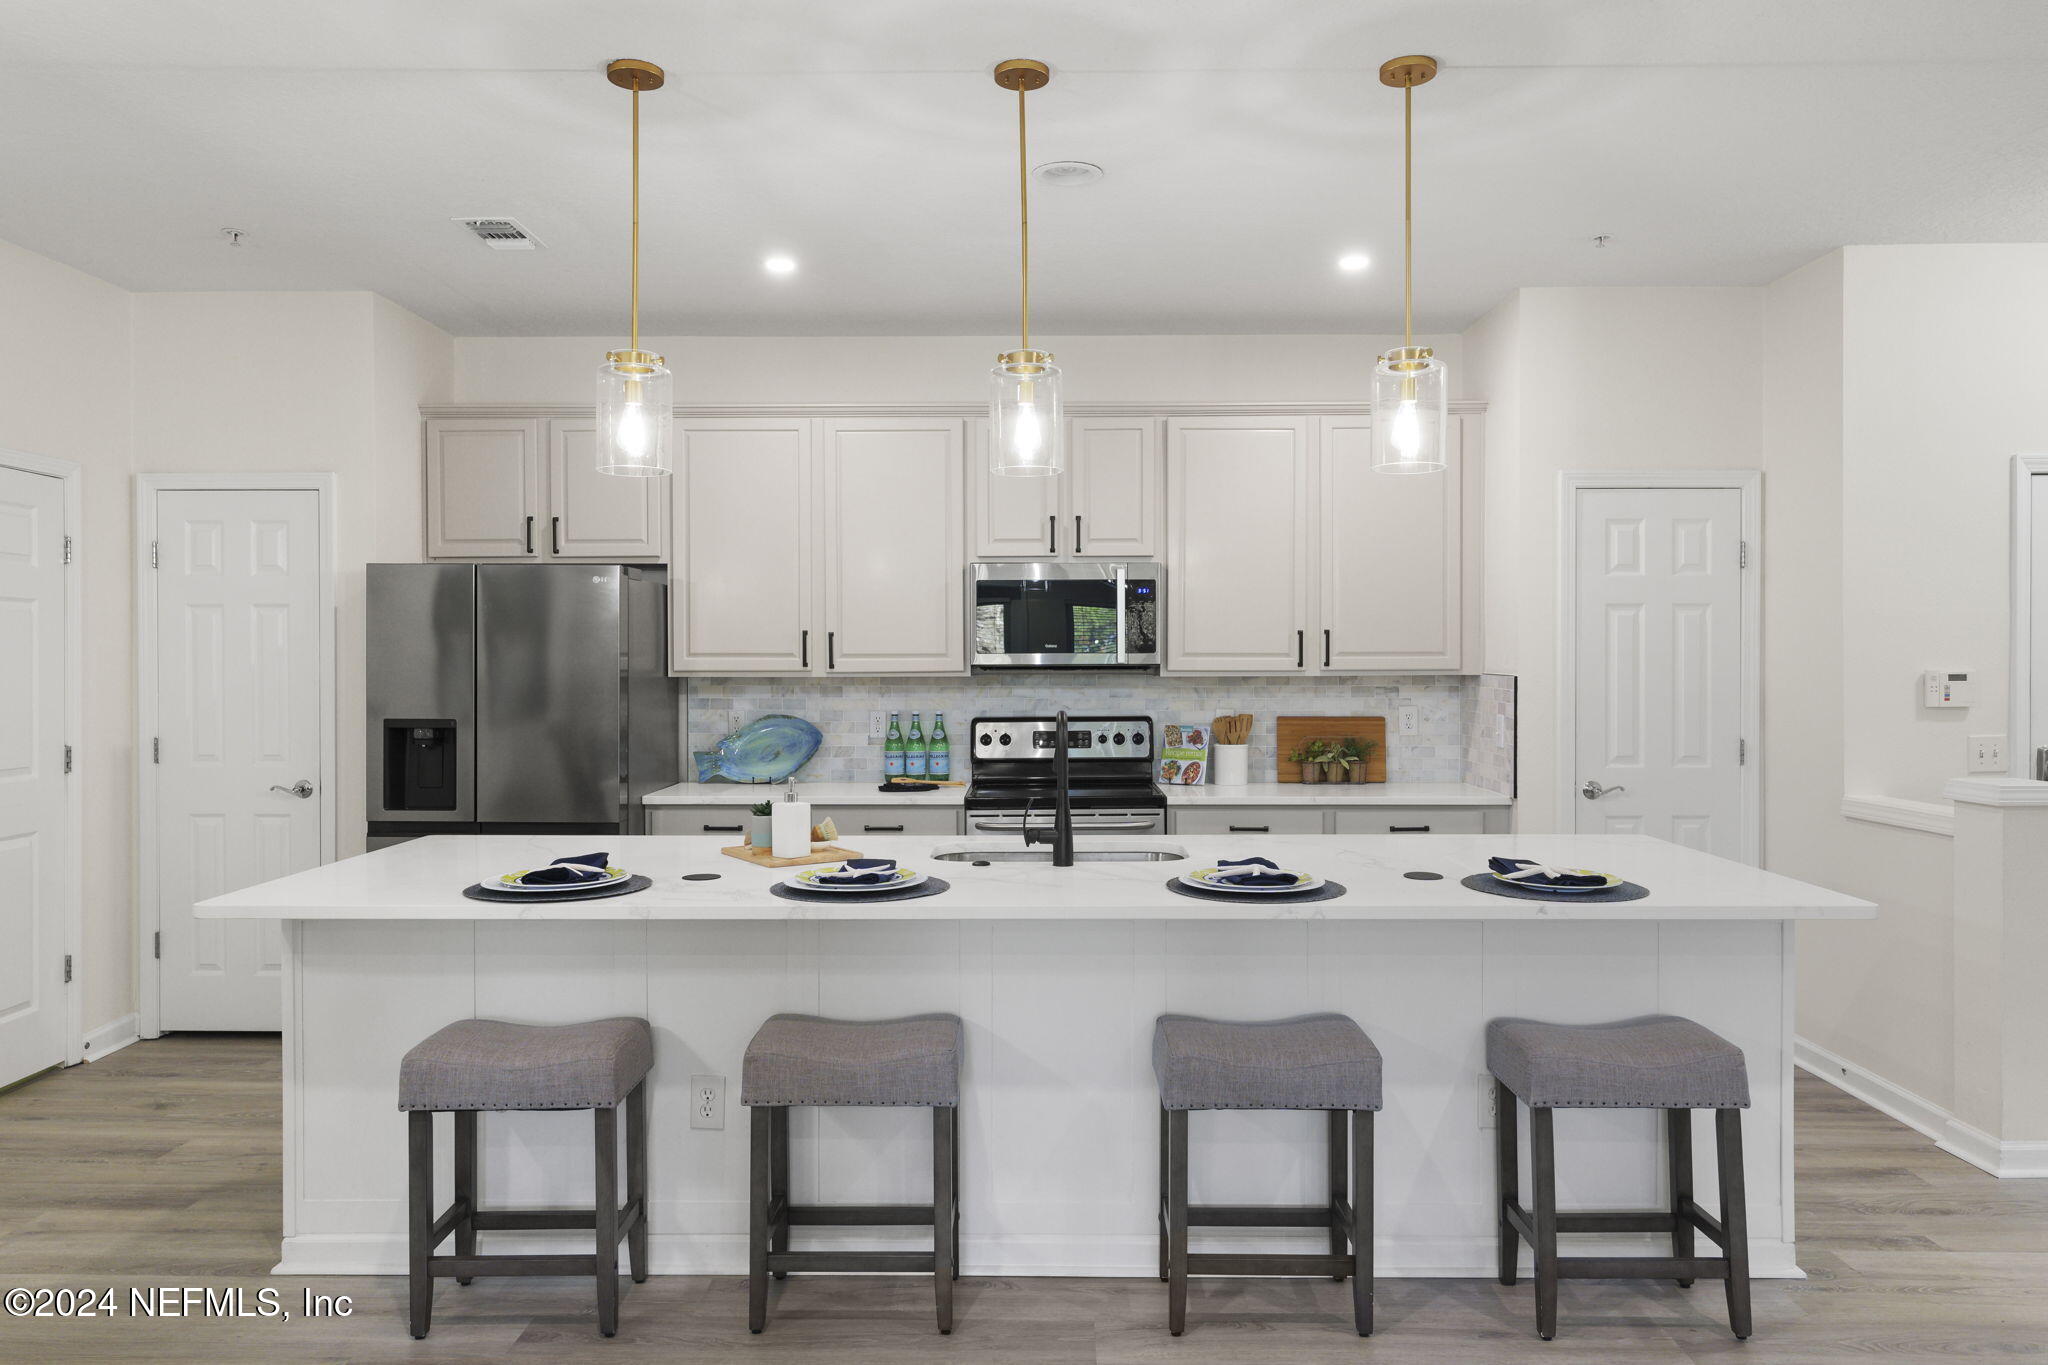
1067 173
780 265
1353 262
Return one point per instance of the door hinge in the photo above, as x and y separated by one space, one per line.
1741 554
1741 752
67 549
159 948
67 969
156 751
152 554
67 758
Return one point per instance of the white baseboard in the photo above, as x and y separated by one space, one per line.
2006 1160
110 1037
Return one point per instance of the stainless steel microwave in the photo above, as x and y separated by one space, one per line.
1061 615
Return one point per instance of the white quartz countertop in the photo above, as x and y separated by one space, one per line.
1252 794
424 879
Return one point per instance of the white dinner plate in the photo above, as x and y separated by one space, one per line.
510 882
1201 877
901 879
1611 881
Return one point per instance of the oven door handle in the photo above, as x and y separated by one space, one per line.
1080 826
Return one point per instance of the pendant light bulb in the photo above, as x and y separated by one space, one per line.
1025 427
1410 400
635 397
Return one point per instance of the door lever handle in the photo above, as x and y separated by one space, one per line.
1593 791
301 789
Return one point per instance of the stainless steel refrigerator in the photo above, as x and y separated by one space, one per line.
517 698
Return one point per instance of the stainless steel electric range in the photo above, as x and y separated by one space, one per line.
1111 786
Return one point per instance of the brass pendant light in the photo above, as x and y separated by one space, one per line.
635 397
1026 433
1409 392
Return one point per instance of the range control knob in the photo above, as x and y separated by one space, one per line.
1006 741
1119 739
984 738
1102 739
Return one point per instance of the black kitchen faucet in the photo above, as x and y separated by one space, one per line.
1061 835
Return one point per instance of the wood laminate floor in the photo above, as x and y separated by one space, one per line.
159 1166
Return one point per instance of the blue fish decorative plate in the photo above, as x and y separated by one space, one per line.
766 749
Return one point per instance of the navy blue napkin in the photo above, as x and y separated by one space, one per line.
1272 876
860 872
1548 877
584 867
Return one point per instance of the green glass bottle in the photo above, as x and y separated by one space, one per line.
916 758
892 748
941 765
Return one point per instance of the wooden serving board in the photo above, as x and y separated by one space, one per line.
1294 731
760 857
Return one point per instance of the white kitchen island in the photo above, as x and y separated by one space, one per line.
1058 973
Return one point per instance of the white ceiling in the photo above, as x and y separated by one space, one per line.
1247 145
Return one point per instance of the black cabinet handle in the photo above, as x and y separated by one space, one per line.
1251 829
831 649
1077 533
881 829
1326 649
529 535
722 829
1407 829
555 533
1301 649
1052 535
805 646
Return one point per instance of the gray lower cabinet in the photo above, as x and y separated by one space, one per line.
1418 820
1339 820
1246 820
853 821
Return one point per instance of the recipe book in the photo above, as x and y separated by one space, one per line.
1184 754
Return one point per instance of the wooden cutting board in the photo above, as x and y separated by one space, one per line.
761 857
1295 731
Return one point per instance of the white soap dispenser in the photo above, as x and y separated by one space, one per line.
790 826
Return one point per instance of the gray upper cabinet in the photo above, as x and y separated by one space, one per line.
528 488
1108 505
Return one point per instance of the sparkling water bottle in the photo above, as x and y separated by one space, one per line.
892 748
941 765
916 760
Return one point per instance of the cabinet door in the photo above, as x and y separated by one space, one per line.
1013 518
1237 545
740 592
593 515
1393 552
895 561
1247 820
1412 819
729 821
1114 487
854 821
483 487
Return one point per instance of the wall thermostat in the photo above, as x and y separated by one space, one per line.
1940 687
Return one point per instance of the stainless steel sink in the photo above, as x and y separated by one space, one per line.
1128 851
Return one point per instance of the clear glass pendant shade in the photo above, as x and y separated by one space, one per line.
635 414
1026 431
1409 408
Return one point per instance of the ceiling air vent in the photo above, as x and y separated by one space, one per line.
500 234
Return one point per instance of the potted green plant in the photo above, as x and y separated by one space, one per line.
761 827
1309 756
1354 753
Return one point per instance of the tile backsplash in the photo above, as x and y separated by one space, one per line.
1443 749
1489 703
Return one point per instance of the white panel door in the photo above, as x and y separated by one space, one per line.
741 593
1658 655
34 838
1114 489
895 567
594 515
483 488
1237 544
2032 758
1392 561
238 630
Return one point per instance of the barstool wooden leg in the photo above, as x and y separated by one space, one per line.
778 1181
1338 1160
943 1130
955 1230
1177 1221
1734 1218
419 1171
1361 1219
761 1171
1543 1175
605 1122
1507 1177
1165 1170
465 1185
636 1180
1678 1147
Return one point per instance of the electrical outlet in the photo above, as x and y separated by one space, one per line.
1489 1113
878 726
1410 721
707 1101
1987 753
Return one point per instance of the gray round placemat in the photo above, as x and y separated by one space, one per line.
930 886
1485 881
1328 891
480 892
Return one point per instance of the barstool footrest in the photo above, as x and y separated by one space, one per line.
1267 1263
1262 1215
1524 1222
855 1215
1642 1268
918 1262
465 1266
548 1220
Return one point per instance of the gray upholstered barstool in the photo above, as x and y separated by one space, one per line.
478 1064
799 1059
1316 1061
1658 1061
